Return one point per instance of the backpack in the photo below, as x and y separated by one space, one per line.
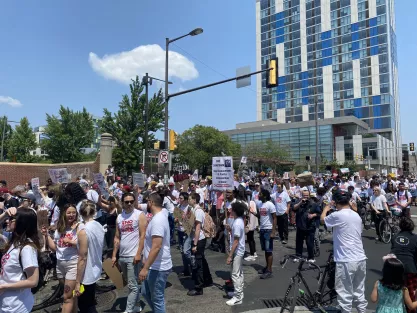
209 228
405 194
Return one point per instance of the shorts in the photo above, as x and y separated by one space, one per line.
267 243
67 269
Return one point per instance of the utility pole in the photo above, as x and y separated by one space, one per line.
2 137
146 113
317 137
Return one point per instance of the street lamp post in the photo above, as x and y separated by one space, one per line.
194 32
5 121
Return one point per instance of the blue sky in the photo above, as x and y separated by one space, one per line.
55 54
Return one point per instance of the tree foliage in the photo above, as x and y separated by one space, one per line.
66 134
267 149
127 126
198 145
22 141
8 131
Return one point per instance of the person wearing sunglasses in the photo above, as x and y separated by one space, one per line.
129 241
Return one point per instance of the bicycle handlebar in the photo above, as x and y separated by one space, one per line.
302 260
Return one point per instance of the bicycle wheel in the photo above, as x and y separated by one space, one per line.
290 299
367 219
47 293
385 231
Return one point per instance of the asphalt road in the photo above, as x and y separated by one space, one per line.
256 290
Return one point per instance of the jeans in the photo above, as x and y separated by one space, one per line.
237 276
251 242
308 236
154 290
377 220
282 221
171 226
130 273
201 273
186 254
181 238
350 286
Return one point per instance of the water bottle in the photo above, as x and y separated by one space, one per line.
193 264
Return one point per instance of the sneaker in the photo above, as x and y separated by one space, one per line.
284 242
137 309
234 301
266 275
255 255
377 238
295 260
250 258
311 261
262 271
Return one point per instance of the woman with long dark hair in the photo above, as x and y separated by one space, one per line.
20 271
64 242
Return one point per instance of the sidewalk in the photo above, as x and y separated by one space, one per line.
300 309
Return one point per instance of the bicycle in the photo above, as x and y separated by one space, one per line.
317 240
365 212
389 227
321 297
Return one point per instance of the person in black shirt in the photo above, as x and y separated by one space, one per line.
307 213
404 246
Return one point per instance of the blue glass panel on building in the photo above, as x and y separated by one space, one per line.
358 112
336 113
377 123
281 88
304 83
281 80
325 44
327 52
373 31
280 15
376 100
357 103
279 23
304 75
355 45
373 22
280 104
326 35
355 27
304 92
355 36
376 110
280 39
279 31
355 55
327 61
281 96
374 41
374 50
305 100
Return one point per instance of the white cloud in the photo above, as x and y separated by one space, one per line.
10 101
149 59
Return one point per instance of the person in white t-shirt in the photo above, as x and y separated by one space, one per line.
128 241
282 205
201 271
64 242
157 256
349 254
90 255
19 272
237 252
266 213
403 198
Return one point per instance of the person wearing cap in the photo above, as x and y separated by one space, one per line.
174 192
255 193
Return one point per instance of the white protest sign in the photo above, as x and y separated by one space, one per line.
139 179
344 170
35 188
243 160
286 175
59 175
195 176
384 171
222 170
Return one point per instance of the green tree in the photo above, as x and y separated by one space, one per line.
8 131
127 126
66 134
198 145
23 140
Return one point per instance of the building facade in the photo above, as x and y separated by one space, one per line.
340 54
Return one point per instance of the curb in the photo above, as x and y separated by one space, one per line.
300 309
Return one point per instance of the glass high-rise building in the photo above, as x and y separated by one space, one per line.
341 54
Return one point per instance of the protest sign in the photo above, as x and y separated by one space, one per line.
243 160
35 188
292 174
58 175
98 178
344 170
286 176
222 169
139 179
305 179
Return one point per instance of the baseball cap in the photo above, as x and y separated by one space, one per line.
159 185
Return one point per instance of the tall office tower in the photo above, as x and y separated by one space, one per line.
341 54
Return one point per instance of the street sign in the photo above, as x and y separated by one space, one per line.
244 81
163 157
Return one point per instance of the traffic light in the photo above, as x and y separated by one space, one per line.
272 74
172 140
156 145
361 157
159 145
411 146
